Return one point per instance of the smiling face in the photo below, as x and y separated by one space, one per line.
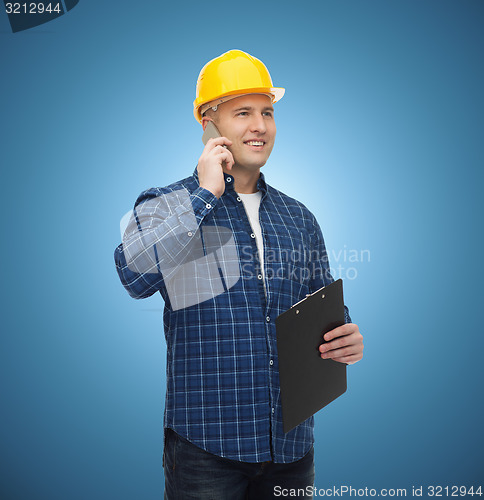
248 121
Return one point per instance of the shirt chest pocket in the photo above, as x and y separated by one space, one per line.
286 255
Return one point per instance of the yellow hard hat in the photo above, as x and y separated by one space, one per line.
233 73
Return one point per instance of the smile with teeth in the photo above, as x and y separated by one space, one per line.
255 143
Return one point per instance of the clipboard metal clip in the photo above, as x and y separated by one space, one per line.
308 295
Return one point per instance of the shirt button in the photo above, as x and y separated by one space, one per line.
259 276
273 410
268 318
238 198
190 233
208 206
252 235
271 362
229 179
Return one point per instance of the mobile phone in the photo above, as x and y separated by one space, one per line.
210 132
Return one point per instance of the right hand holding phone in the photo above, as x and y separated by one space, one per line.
215 156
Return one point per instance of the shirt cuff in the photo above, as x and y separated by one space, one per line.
203 202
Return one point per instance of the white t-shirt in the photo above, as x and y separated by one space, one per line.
251 203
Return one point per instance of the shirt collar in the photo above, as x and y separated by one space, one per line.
229 182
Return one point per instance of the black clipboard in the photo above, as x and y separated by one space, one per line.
308 382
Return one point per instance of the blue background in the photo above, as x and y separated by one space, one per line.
379 134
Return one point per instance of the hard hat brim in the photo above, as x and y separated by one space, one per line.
276 92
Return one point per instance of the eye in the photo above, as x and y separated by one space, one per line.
267 113
242 113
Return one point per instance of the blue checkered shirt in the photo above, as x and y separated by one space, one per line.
223 390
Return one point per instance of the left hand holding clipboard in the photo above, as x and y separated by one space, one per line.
343 344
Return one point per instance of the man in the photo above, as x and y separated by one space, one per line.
229 253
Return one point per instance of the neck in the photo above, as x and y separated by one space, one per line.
245 181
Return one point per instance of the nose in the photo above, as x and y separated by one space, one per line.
258 124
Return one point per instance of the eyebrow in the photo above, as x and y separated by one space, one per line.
250 108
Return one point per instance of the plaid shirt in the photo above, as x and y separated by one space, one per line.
223 390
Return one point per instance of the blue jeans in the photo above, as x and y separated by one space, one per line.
193 473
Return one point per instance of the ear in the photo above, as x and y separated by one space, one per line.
205 120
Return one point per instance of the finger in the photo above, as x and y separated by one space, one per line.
352 339
217 141
339 353
348 359
219 149
346 329
225 156
343 352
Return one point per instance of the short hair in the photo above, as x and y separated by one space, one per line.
211 114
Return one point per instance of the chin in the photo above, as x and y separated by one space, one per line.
250 165
256 163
